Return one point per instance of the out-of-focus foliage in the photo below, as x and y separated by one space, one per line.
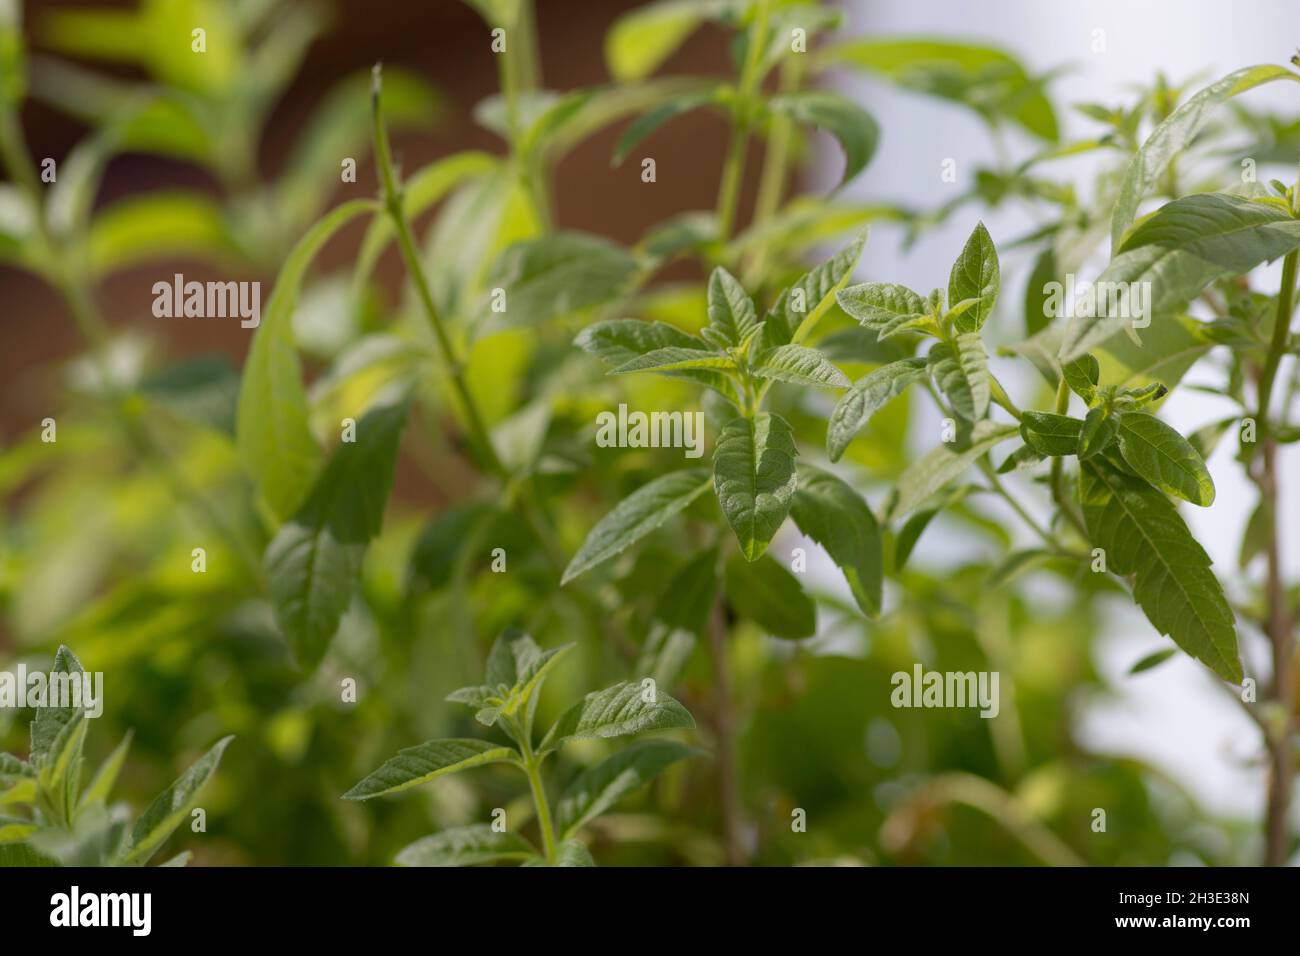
328 624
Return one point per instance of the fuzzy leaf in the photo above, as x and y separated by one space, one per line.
466 846
435 758
598 788
961 372
799 365
884 307
617 712
171 807
867 396
975 275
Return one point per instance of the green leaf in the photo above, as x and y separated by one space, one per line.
49 722
854 128
975 275
619 342
867 396
908 535
651 121
313 562
557 276
934 470
642 39
636 516
203 390
1051 435
1154 659
992 83
598 788
1174 134
1143 535
837 518
163 225
1082 376
885 308
275 441
766 593
754 478
732 317
961 371
798 309
1164 458
102 783
1037 313
466 846
626 708
1175 253
675 359
1098 431
799 365
171 807
688 596
567 853
435 758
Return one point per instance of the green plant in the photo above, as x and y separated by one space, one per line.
516 671
66 824
466 375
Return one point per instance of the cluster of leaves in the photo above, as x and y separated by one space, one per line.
50 819
309 581
516 670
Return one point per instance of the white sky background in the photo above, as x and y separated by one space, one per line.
1173 715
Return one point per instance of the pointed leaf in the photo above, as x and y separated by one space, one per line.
1164 458
961 372
435 758
171 807
800 307
934 470
799 365
1049 434
884 307
754 478
975 275
629 707
854 128
466 846
770 596
867 396
636 516
598 788
827 510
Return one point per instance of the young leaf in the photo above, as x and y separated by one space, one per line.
1098 431
1049 434
961 372
635 517
557 276
618 341
466 846
275 443
1141 534
49 722
1174 134
936 468
799 365
313 562
754 478
835 516
798 309
1164 458
626 708
598 788
884 307
766 593
674 359
1174 254
732 317
867 396
1082 376
102 784
975 275
1154 659
850 124
171 807
435 758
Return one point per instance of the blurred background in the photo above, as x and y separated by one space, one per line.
1170 759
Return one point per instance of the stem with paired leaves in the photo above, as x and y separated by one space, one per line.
392 189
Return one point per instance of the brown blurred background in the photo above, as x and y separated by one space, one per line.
445 41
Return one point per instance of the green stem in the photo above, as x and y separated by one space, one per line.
415 269
1277 347
1002 398
532 767
771 187
733 167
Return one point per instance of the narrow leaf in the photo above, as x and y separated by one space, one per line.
754 478
435 758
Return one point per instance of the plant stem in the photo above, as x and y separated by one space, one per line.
532 767
1277 737
733 167
415 269
724 720
1058 490
771 187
